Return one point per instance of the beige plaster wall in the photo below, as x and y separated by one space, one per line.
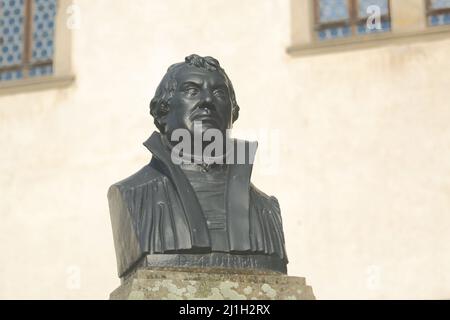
363 177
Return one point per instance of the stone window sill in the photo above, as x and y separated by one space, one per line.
369 41
35 84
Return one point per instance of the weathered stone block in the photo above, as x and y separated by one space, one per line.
207 284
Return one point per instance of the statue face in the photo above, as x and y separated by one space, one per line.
200 95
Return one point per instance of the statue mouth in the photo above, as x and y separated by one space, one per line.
206 119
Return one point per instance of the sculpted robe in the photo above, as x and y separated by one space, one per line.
156 211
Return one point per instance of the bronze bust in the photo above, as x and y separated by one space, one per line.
202 213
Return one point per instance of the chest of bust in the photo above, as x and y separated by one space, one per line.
210 186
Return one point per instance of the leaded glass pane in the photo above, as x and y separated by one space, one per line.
383 27
334 33
333 10
439 19
11 33
43 30
41 71
16 28
439 4
11 75
363 5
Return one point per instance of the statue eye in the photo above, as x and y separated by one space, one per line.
191 91
219 92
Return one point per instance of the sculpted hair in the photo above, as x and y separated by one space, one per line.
160 104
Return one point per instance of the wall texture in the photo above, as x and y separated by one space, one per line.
363 176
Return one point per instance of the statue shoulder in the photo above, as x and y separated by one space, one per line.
262 199
144 176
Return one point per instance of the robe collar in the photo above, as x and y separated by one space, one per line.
237 196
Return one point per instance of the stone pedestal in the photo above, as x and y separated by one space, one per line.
207 284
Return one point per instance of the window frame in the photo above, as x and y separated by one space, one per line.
62 75
407 25
352 22
431 12
26 65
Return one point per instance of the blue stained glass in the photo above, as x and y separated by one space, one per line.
334 33
11 31
383 27
439 19
12 17
43 31
333 10
442 18
446 18
440 4
40 71
381 6
11 75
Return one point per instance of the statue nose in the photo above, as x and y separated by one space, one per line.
207 102
207 98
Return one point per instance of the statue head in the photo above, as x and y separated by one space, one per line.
195 90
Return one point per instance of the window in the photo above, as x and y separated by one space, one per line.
343 18
326 26
26 38
438 12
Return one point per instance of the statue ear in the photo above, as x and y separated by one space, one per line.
235 112
162 117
